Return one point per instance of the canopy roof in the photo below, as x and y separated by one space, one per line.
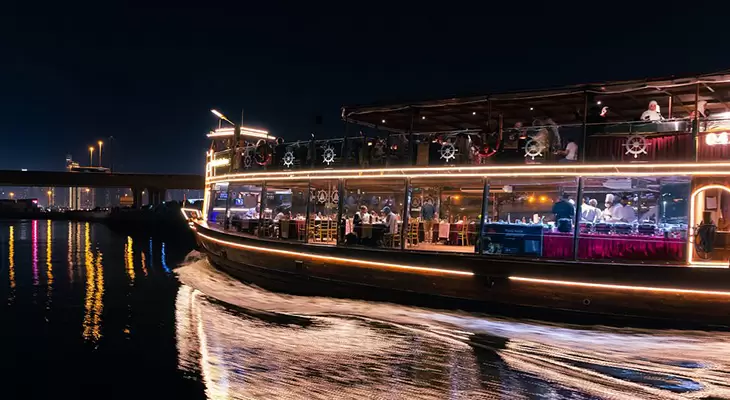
626 101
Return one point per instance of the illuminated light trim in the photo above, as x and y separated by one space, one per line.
690 227
219 162
226 132
259 178
530 168
619 287
339 259
515 171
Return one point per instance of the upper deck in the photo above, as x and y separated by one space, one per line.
674 120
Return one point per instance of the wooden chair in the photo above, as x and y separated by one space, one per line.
412 233
312 228
463 234
300 230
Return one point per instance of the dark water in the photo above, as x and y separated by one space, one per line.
88 313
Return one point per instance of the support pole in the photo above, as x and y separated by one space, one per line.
406 213
576 218
306 213
671 100
478 246
340 210
411 141
696 125
585 128
262 207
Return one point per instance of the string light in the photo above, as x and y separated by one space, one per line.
618 287
219 162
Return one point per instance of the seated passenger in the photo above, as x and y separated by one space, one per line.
391 220
570 152
653 113
361 217
564 213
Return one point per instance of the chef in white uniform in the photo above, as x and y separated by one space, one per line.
612 211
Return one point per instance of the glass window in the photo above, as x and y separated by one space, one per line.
530 217
444 214
288 204
218 195
244 207
373 211
324 199
634 219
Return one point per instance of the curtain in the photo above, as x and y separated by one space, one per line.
661 148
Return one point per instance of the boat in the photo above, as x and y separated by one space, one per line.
595 203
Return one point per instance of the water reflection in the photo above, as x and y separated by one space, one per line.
129 260
163 260
49 265
249 343
11 263
34 244
93 303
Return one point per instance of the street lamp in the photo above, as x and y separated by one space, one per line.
91 155
12 195
221 116
100 143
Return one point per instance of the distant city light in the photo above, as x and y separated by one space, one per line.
24 170
473 113
383 121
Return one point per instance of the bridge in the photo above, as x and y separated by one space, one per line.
155 184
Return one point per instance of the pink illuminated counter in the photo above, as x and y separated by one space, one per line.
593 246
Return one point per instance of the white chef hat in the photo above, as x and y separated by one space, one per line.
609 198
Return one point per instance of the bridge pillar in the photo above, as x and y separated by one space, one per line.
137 196
157 196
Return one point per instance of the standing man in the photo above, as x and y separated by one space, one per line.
427 214
564 212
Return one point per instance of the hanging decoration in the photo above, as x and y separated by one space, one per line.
635 145
263 152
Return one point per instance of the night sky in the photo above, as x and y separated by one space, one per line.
69 78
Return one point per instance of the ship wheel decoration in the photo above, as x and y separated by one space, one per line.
636 144
534 148
288 159
448 151
329 155
248 154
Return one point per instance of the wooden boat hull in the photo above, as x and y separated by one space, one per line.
612 294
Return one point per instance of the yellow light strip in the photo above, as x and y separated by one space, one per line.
467 169
261 177
226 132
338 259
619 287
692 222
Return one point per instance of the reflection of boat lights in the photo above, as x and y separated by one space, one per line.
69 255
619 287
341 260
49 265
143 262
162 258
34 240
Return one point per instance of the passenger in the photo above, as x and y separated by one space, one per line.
627 213
589 212
428 211
653 113
564 213
570 152
361 217
611 212
391 220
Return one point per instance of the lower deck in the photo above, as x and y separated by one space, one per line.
638 291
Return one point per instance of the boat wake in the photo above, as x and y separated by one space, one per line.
246 342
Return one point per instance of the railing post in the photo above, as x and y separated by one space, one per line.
411 142
262 208
406 213
485 206
696 125
341 228
576 218
584 145
306 213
